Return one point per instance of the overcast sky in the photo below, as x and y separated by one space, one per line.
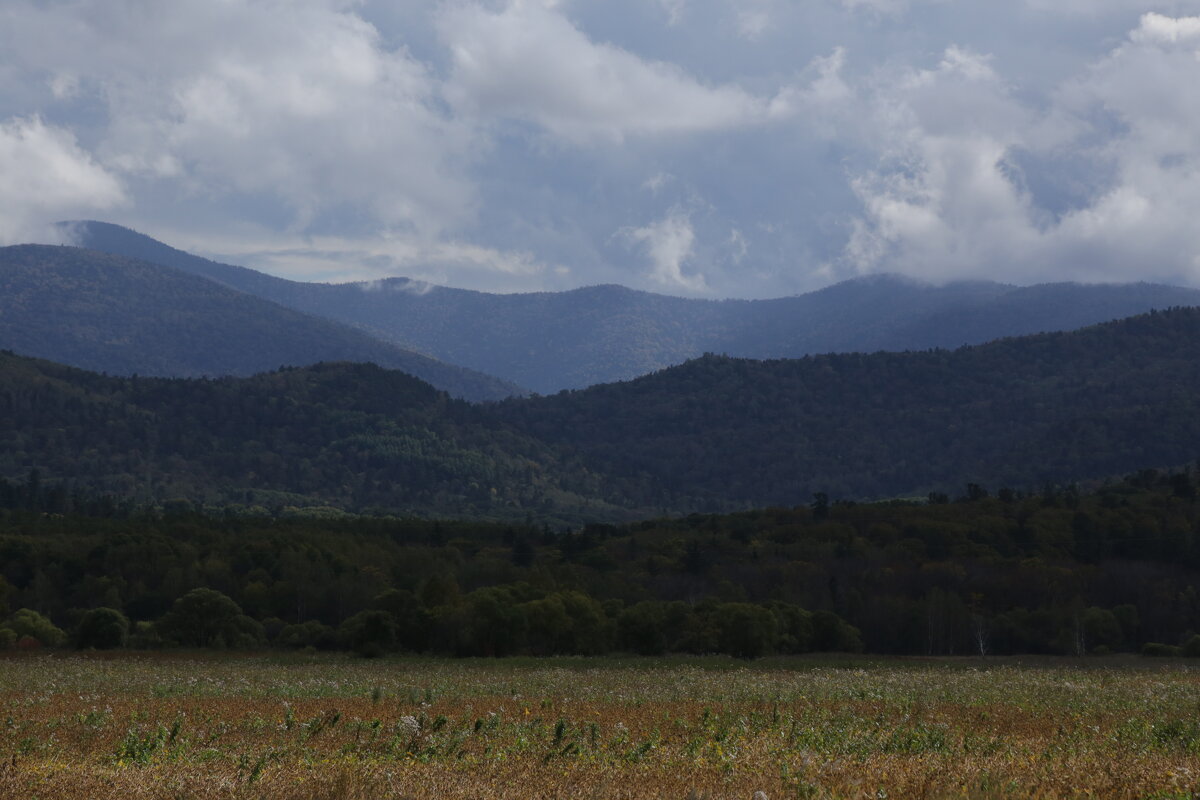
706 148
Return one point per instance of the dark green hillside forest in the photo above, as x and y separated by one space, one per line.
1057 571
354 436
719 432
715 434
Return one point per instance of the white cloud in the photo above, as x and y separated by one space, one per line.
332 258
885 7
1160 29
529 62
45 175
299 101
669 244
498 143
948 200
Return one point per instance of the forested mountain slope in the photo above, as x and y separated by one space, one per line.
553 340
119 315
1019 412
715 433
347 435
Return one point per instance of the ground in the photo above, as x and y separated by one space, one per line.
193 727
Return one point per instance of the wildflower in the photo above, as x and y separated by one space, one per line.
409 724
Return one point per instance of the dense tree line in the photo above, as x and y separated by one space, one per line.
1061 570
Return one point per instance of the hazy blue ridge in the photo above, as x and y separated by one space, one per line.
121 315
549 341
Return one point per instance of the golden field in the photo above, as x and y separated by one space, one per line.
200 727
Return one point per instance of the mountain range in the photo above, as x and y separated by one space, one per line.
551 341
714 433
120 315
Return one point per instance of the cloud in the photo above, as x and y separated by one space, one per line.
336 259
299 102
497 144
529 62
674 10
45 175
952 199
885 7
1160 29
669 243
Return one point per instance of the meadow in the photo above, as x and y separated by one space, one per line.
195 727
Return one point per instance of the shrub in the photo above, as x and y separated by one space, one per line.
308 634
103 629
208 618
1191 648
1158 650
31 624
369 633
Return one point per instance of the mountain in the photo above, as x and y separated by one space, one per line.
119 315
560 340
348 435
714 433
718 432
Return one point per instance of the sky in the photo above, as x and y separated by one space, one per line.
704 148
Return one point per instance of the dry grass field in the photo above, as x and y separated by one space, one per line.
192 728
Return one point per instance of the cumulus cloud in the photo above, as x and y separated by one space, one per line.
297 101
529 62
498 144
950 199
45 175
668 243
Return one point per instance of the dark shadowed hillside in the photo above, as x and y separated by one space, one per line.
118 315
555 340
714 433
1017 412
352 436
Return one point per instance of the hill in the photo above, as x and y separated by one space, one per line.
344 435
560 340
715 433
114 314
1019 412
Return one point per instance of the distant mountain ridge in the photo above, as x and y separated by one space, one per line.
114 314
550 341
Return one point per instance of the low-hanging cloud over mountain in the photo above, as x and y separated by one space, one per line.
700 147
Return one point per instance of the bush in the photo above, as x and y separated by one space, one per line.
369 633
208 618
103 629
1158 650
643 628
27 623
745 630
1191 648
144 636
307 634
833 634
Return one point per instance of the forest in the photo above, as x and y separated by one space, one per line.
716 434
1110 568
